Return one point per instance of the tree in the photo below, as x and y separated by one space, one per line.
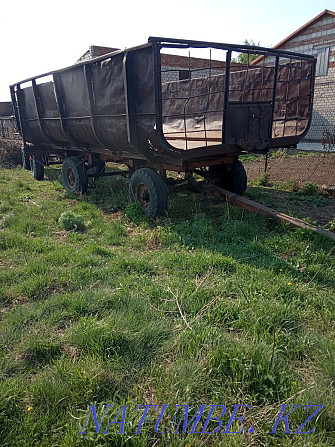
244 58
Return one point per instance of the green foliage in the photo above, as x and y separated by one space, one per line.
134 212
331 225
262 180
290 185
252 370
279 153
207 305
309 189
245 58
70 221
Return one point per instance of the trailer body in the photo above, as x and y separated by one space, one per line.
119 105
137 107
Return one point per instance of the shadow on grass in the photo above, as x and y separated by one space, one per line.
110 194
202 222
315 207
256 241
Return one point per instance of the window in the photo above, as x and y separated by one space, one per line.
184 74
322 62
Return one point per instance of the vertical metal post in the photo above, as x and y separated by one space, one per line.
90 95
63 122
274 93
40 112
130 99
189 65
266 162
226 98
298 100
210 63
20 112
208 94
126 96
16 109
158 87
287 94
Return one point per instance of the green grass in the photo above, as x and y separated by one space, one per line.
206 305
278 153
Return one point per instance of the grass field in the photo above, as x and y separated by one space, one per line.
207 305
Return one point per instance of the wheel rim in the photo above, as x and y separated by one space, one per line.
142 195
70 177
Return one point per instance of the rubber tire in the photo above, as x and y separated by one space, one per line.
235 180
26 162
77 166
156 189
37 166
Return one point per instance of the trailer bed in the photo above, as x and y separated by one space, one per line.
168 105
125 105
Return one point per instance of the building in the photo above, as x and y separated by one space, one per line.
317 37
7 121
95 51
6 109
174 67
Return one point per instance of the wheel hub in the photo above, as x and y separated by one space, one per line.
142 195
70 177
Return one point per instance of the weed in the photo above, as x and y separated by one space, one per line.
70 221
134 212
289 185
309 189
279 153
262 180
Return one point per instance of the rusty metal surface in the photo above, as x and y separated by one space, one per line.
118 104
192 109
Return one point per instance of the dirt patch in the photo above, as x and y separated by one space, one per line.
319 169
10 153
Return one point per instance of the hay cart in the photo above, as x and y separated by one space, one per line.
169 105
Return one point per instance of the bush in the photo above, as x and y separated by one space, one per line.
262 180
309 189
290 185
70 221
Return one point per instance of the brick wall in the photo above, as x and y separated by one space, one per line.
314 40
173 73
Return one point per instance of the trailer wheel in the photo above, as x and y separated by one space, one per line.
37 166
148 188
101 166
235 180
74 175
26 162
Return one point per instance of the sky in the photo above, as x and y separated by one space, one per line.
39 36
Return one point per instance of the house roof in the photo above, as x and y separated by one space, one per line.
302 28
298 31
96 51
